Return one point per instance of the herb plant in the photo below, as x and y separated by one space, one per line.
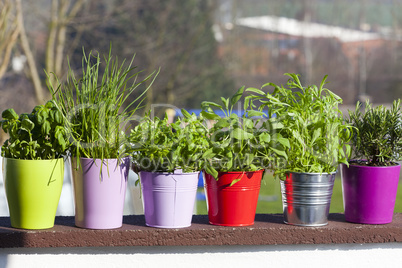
35 136
97 106
162 147
377 140
312 123
241 143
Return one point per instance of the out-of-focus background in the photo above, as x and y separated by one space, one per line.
205 49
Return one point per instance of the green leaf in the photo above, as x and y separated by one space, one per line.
276 125
280 153
316 135
58 117
49 104
285 142
236 97
234 182
264 137
39 118
45 128
255 90
249 158
222 123
240 134
44 113
210 116
252 113
248 123
5 125
225 102
253 167
210 170
9 114
61 140
210 103
208 154
234 116
229 163
186 114
27 125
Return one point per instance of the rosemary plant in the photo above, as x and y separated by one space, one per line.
377 140
95 105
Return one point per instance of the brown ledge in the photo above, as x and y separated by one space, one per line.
267 230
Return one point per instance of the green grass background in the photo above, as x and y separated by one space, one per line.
270 197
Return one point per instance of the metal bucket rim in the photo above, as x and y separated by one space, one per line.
312 173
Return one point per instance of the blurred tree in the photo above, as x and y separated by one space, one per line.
8 33
171 35
62 14
34 75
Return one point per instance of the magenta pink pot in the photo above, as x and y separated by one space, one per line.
168 198
99 192
369 193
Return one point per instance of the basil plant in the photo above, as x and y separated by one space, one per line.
38 135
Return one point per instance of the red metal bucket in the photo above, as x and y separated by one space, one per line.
232 205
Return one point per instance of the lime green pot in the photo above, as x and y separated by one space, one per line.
33 189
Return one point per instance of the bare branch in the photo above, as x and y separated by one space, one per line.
51 40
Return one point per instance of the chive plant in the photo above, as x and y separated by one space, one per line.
96 106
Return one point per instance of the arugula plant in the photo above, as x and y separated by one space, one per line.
162 147
248 142
312 123
35 136
97 107
378 135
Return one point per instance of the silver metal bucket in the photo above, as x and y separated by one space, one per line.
306 198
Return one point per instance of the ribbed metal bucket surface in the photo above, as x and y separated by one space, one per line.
306 198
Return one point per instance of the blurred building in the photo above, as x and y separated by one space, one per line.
266 47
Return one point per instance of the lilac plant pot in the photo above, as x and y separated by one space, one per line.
99 192
168 198
369 193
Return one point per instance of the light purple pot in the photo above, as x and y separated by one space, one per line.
369 193
168 198
99 194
